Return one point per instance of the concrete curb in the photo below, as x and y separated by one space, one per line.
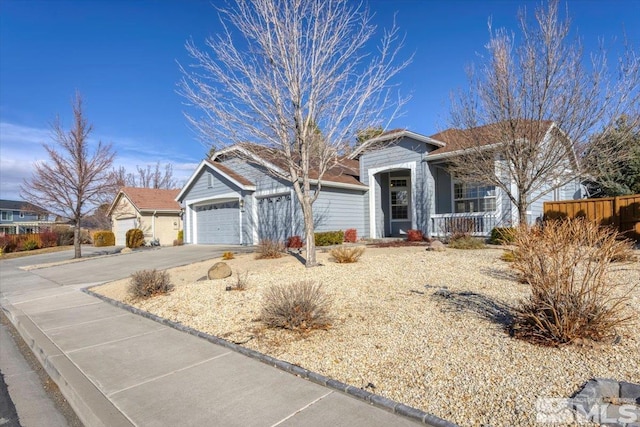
358 393
91 406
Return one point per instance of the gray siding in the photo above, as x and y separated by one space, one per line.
200 187
443 186
339 209
256 174
406 150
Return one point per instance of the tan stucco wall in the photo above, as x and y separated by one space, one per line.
166 225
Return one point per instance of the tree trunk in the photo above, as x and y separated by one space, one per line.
309 232
76 240
522 212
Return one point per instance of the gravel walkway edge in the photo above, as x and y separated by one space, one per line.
358 393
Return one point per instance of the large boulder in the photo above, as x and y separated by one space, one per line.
219 270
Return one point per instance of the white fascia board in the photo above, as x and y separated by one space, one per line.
215 199
397 135
339 185
201 166
440 156
190 181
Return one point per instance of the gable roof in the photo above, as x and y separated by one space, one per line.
148 199
223 170
344 173
457 139
391 135
17 205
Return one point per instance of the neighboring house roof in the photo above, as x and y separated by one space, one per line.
149 199
392 135
16 205
345 172
459 139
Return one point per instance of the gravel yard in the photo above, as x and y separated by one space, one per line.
395 336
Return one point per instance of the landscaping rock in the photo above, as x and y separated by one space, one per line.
436 245
219 270
126 251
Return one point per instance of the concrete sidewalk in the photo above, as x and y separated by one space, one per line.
120 369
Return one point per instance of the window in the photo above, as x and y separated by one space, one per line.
399 197
473 197
7 216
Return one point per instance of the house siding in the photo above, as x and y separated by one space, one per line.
338 209
404 151
257 174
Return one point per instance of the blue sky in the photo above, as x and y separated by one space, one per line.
122 56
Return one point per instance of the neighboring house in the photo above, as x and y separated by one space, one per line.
17 217
390 184
154 211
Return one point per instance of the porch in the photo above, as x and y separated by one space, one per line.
477 224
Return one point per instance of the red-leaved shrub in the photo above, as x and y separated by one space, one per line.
294 242
351 235
414 236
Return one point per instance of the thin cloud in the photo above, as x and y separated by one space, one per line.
21 147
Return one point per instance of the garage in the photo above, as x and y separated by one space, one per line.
274 217
122 226
218 223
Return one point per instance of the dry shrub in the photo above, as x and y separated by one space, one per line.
241 284
566 263
269 249
228 255
300 306
465 242
347 254
148 283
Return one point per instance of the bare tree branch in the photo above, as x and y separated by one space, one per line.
281 70
523 86
73 181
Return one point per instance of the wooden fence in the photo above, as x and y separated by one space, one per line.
621 212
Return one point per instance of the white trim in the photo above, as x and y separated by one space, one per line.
213 199
408 178
395 136
372 194
272 192
333 184
254 214
206 163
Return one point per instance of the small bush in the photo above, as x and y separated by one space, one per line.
48 239
466 242
104 238
148 283
299 306
181 235
502 235
134 238
414 236
29 245
227 256
347 254
508 256
7 244
65 236
241 284
294 242
351 235
329 238
269 249
567 263
178 242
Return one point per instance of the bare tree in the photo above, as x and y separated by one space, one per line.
532 103
73 181
146 177
280 71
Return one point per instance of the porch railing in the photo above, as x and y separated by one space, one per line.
475 223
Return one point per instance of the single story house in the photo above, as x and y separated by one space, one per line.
17 217
154 211
388 185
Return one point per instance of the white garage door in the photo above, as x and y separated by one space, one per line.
218 223
122 226
274 218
